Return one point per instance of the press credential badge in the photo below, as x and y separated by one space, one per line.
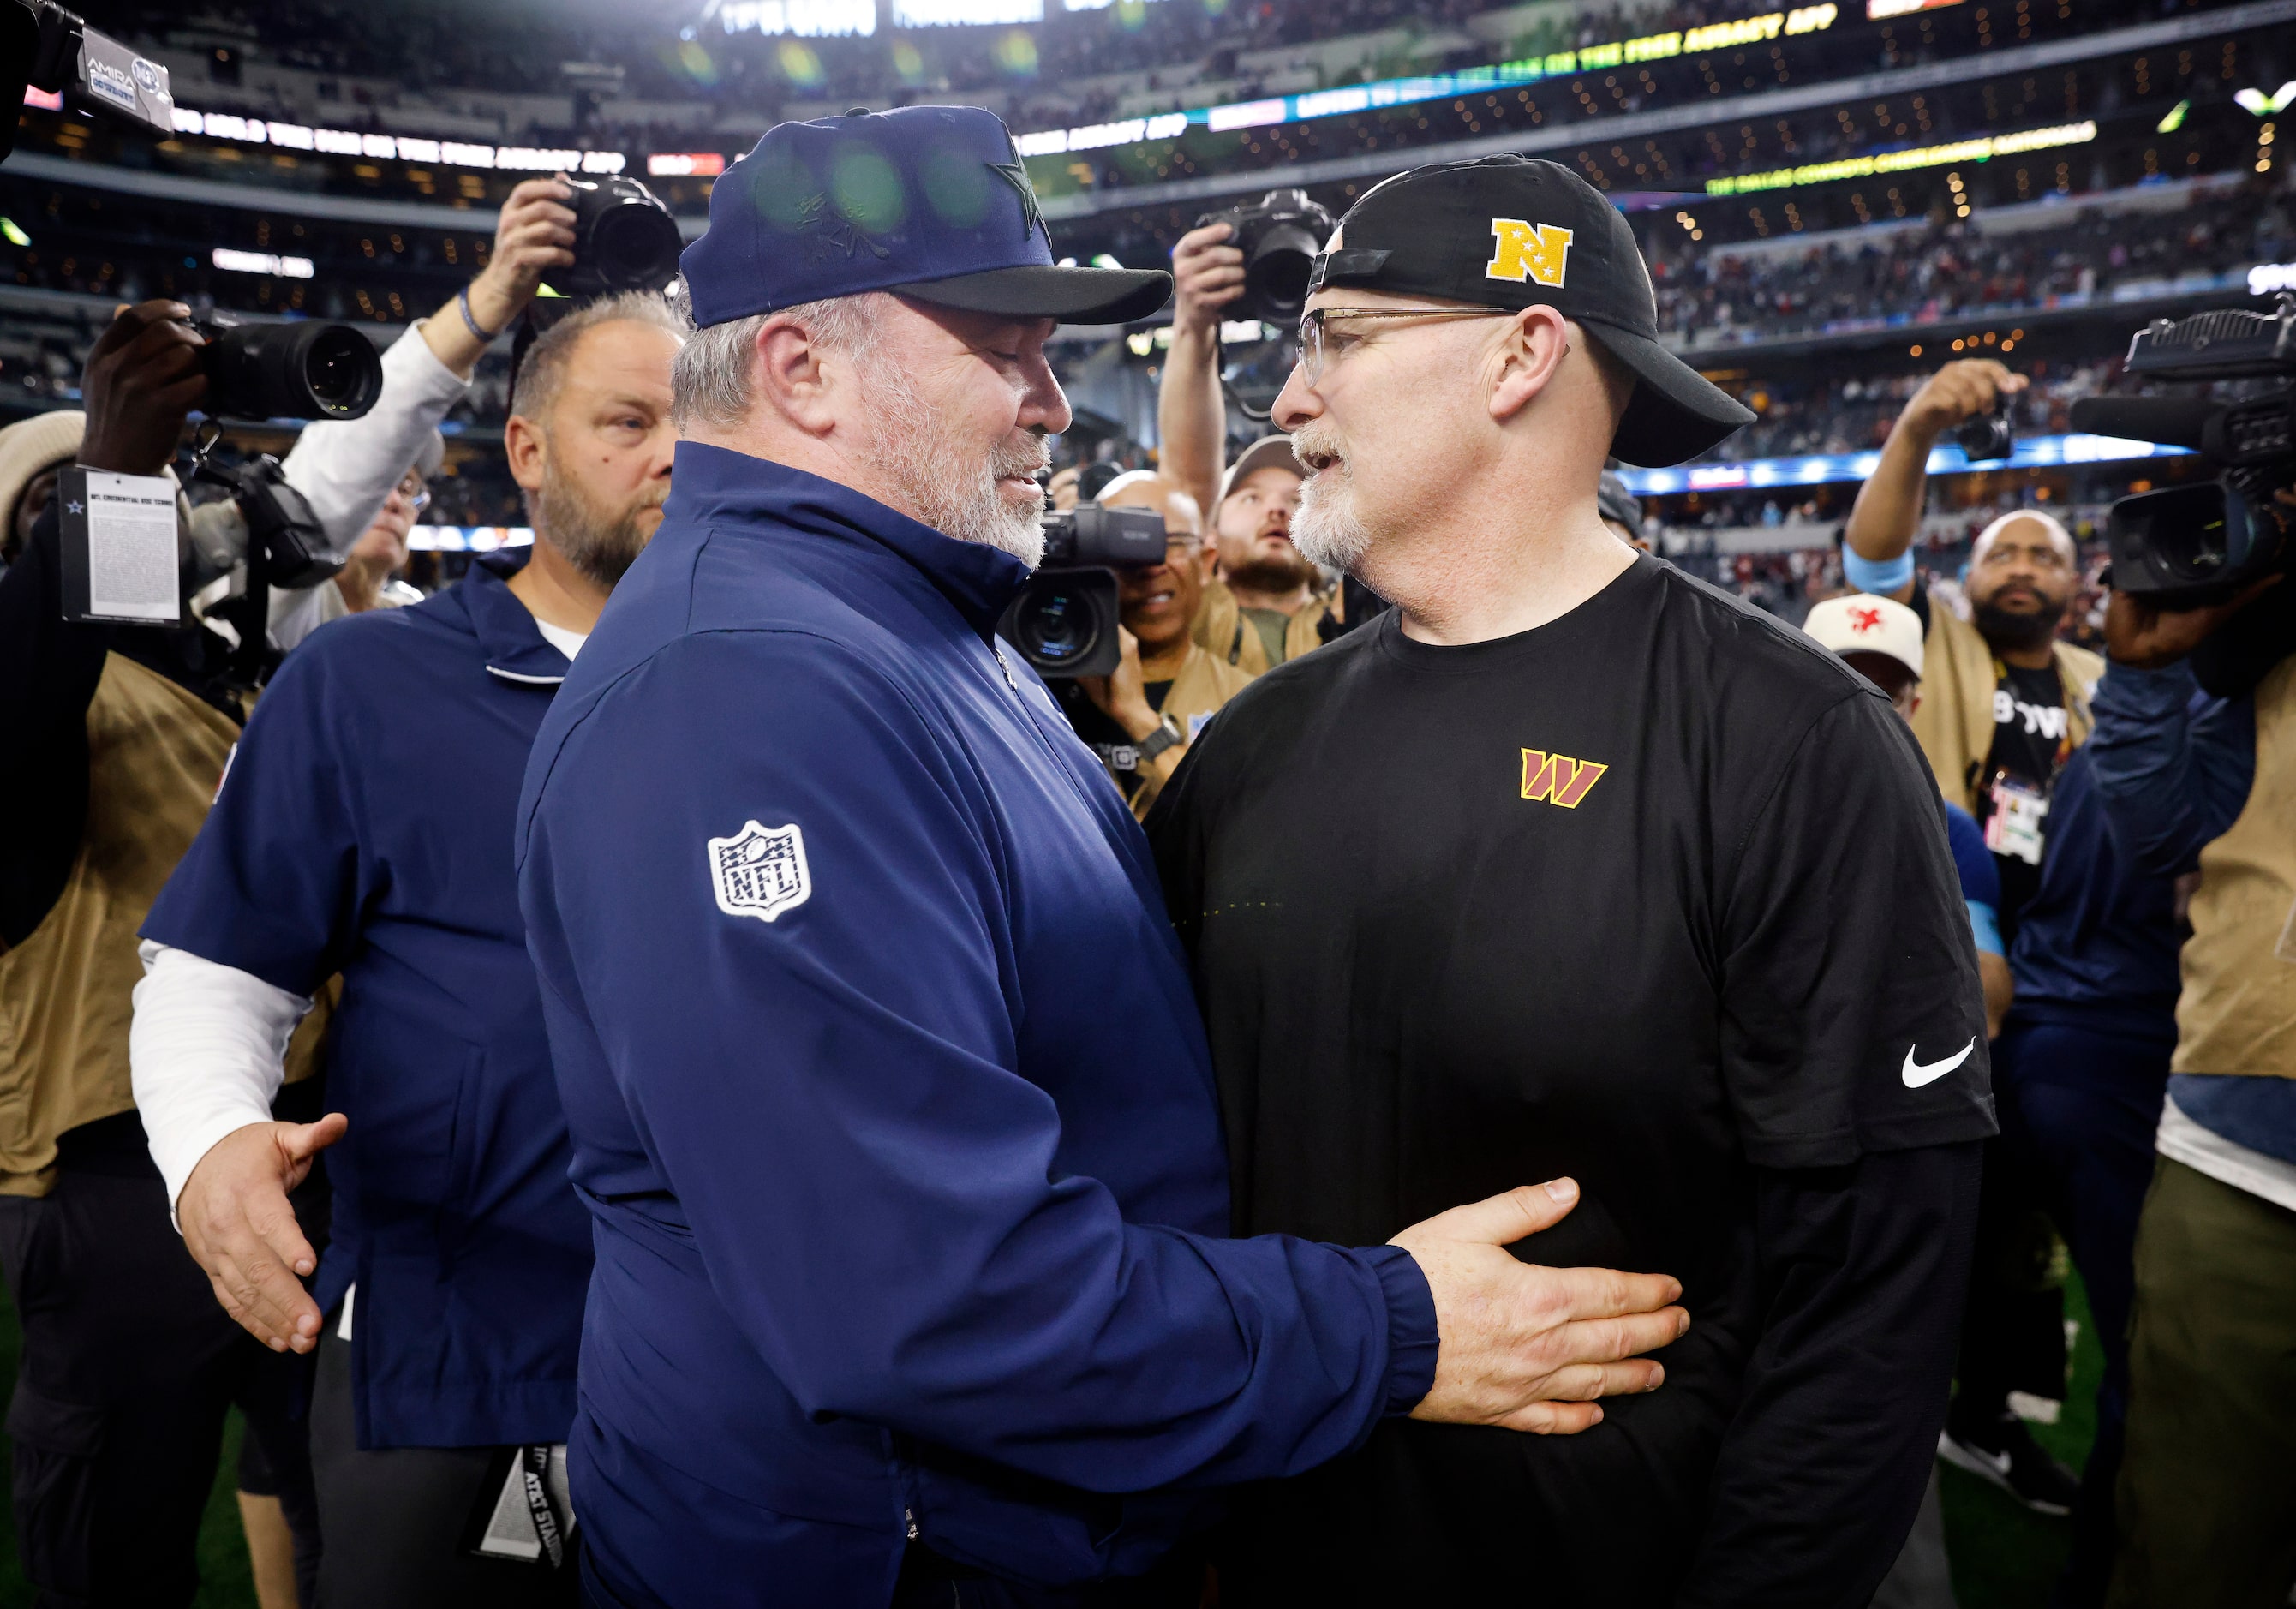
120 553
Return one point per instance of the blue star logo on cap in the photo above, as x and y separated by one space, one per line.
830 229
1032 216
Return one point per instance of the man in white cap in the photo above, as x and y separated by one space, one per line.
1881 639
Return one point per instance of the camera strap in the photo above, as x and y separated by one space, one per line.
248 613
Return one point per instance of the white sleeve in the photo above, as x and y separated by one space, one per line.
206 1048
346 467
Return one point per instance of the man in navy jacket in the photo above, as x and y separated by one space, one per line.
363 828
889 1099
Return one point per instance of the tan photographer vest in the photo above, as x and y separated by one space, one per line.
155 755
2237 1013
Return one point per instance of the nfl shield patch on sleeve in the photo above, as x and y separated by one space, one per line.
760 871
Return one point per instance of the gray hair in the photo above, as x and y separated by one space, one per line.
542 369
712 384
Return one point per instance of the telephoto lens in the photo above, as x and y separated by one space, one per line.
288 371
624 239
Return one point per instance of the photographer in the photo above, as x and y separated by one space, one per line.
1141 720
2005 705
1267 603
118 737
366 829
2195 763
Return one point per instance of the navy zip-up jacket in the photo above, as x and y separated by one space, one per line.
890 1104
362 827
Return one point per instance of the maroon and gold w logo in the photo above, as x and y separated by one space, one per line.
1557 778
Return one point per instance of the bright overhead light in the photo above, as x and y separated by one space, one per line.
16 237
2175 118
1105 261
2264 105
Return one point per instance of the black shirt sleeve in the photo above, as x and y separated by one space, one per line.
1863 1269
48 674
1852 1017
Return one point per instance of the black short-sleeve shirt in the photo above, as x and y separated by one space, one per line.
1654 896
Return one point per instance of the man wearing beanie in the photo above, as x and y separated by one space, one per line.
31 451
1643 886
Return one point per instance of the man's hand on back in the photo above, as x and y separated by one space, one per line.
1525 1347
238 1225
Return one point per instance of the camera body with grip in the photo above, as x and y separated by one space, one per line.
1065 620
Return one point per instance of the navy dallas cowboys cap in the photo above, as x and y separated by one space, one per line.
932 202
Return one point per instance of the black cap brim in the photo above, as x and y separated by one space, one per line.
1074 296
1676 412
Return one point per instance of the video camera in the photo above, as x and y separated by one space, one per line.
45 48
1280 238
2189 547
1064 622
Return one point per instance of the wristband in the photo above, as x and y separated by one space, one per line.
1879 576
470 319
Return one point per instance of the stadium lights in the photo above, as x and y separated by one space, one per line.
2266 278
15 236
2264 105
813 18
262 262
685 164
1879 11
1978 150
1434 87
2174 120
405 148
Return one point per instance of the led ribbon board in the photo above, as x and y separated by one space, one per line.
1899 161
1820 469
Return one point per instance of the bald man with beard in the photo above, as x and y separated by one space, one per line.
1140 720
2005 704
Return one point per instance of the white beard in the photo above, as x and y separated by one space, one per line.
947 489
1327 530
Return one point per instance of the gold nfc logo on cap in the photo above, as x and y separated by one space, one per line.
1521 250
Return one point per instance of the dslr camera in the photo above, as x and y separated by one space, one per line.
624 239
1280 237
1987 436
1064 622
2189 547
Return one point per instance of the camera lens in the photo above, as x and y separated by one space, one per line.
1057 627
634 247
1275 280
341 372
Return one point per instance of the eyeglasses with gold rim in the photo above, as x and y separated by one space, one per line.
1312 338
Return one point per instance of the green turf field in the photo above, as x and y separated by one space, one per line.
2002 1556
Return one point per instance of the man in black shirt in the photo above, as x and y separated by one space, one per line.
1572 862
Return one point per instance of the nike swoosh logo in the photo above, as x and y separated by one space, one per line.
1917 1074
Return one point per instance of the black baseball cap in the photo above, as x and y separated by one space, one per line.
1517 232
